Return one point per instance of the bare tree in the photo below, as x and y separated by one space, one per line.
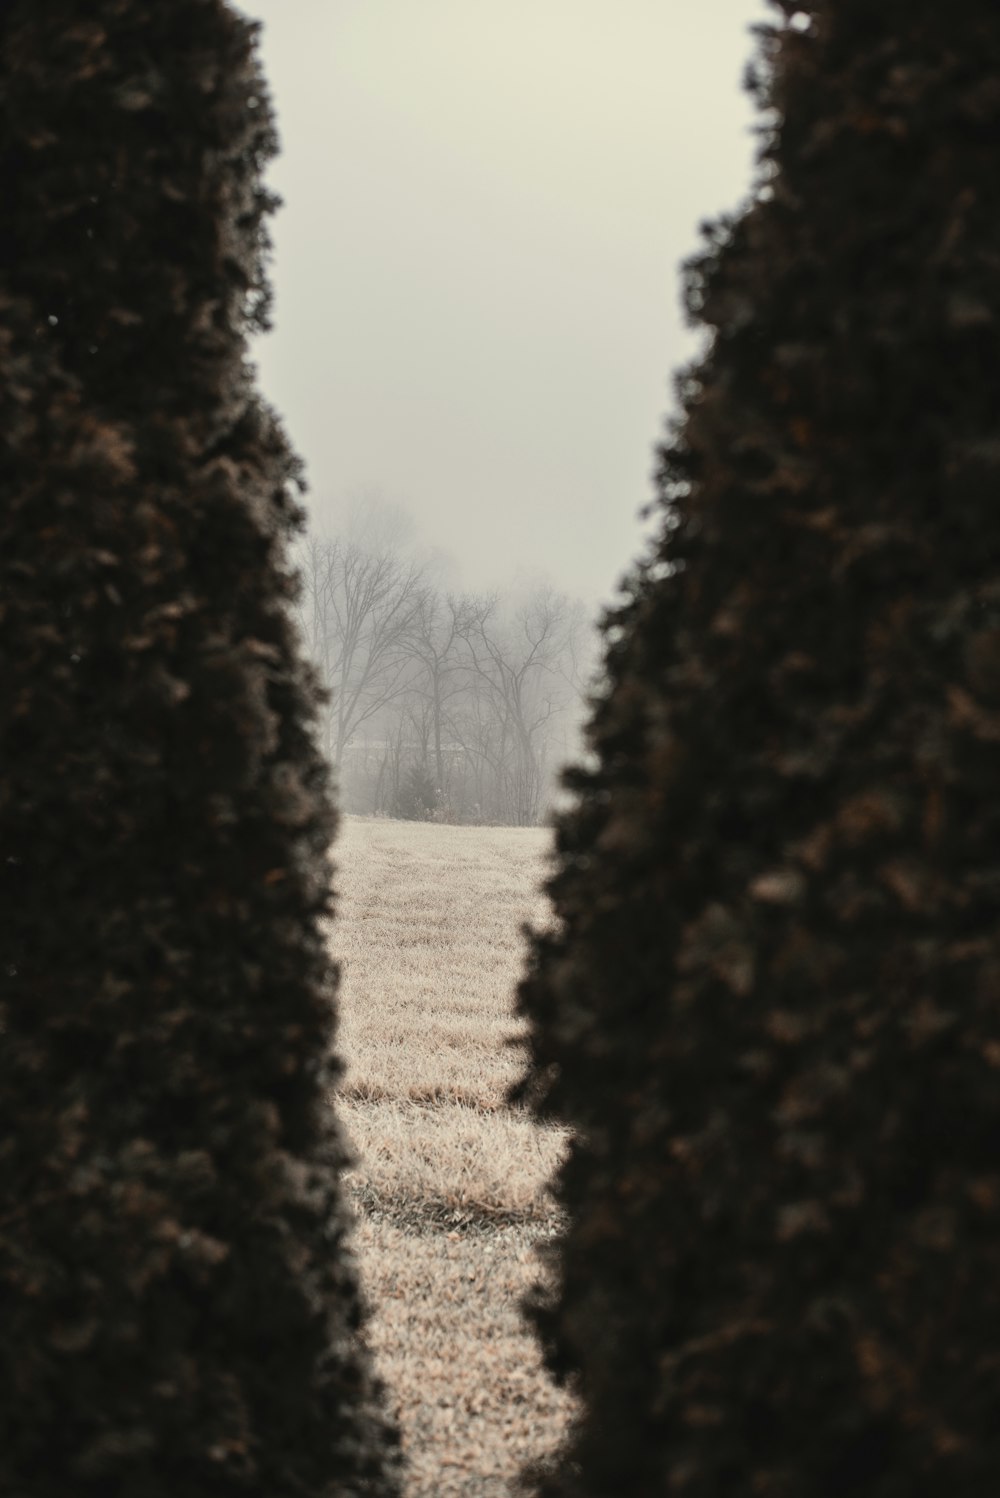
359 606
520 663
435 642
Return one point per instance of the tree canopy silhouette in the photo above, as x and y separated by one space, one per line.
179 1306
771 1008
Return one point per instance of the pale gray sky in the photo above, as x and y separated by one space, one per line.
476 266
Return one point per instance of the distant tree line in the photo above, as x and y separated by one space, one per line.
442 706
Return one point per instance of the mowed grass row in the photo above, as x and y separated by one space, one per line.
450 1182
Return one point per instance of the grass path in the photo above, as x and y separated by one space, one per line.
450 1182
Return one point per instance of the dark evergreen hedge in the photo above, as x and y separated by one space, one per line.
179 1310
772 1006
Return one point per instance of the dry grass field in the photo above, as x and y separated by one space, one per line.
450 1182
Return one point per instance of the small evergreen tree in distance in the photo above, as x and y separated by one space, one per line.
771 1006
179 1305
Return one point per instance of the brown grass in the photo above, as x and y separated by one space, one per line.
450 1182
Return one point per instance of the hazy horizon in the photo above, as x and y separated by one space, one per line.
476 265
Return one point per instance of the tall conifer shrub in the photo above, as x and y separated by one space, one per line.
178 1308
772 1005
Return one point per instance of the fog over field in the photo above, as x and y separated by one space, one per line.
476 263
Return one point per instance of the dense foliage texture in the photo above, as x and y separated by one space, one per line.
178 1303
772 1005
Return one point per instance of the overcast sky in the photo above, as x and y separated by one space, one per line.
476 267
